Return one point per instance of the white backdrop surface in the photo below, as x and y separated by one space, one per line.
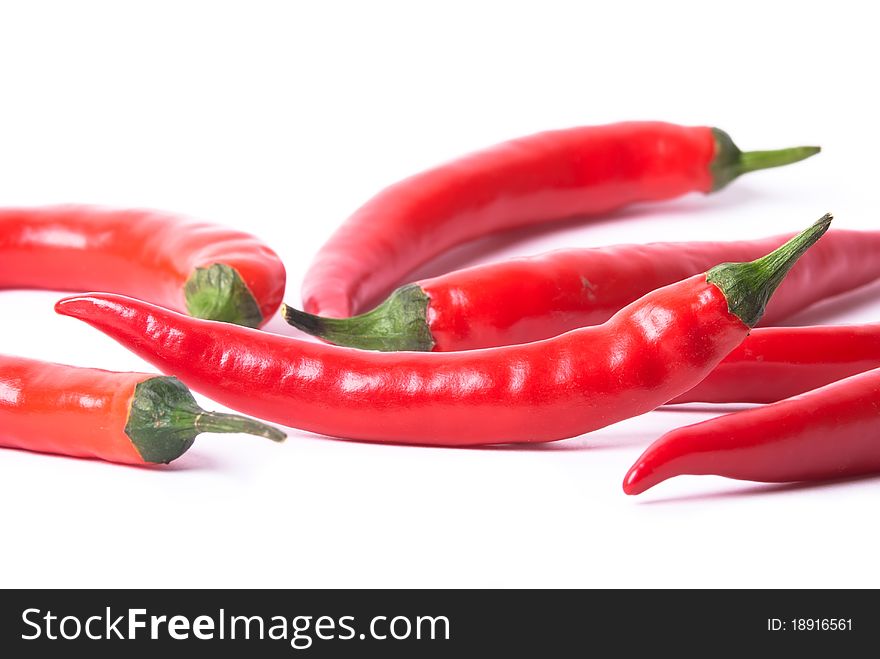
281 118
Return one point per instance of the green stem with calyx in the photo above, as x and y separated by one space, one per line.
219 293
164 421
399 323
748 286
729 162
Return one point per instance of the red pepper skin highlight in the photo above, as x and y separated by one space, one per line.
529 299
194 267
545 177
127 418
775 363
824 434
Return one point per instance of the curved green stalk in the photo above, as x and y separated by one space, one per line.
164 421
748 286
729 162
399 323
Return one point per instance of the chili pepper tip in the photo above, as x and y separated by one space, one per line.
635 481
86 305
73 305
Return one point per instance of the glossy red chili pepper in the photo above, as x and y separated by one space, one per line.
529 299
549 176
199 268
827 433
650 352
130 418
774 363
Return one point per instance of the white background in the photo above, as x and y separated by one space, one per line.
282 119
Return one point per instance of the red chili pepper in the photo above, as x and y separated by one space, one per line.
651 351
774 363
195 267
530 299
824 434
130 418
549 176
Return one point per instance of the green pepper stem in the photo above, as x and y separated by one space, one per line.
748 286
220 422
750 161
164 421
729 162
398 323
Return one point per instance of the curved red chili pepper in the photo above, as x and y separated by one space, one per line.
529 299
824 434
208 271
774 363
549 176
650 352
129 418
